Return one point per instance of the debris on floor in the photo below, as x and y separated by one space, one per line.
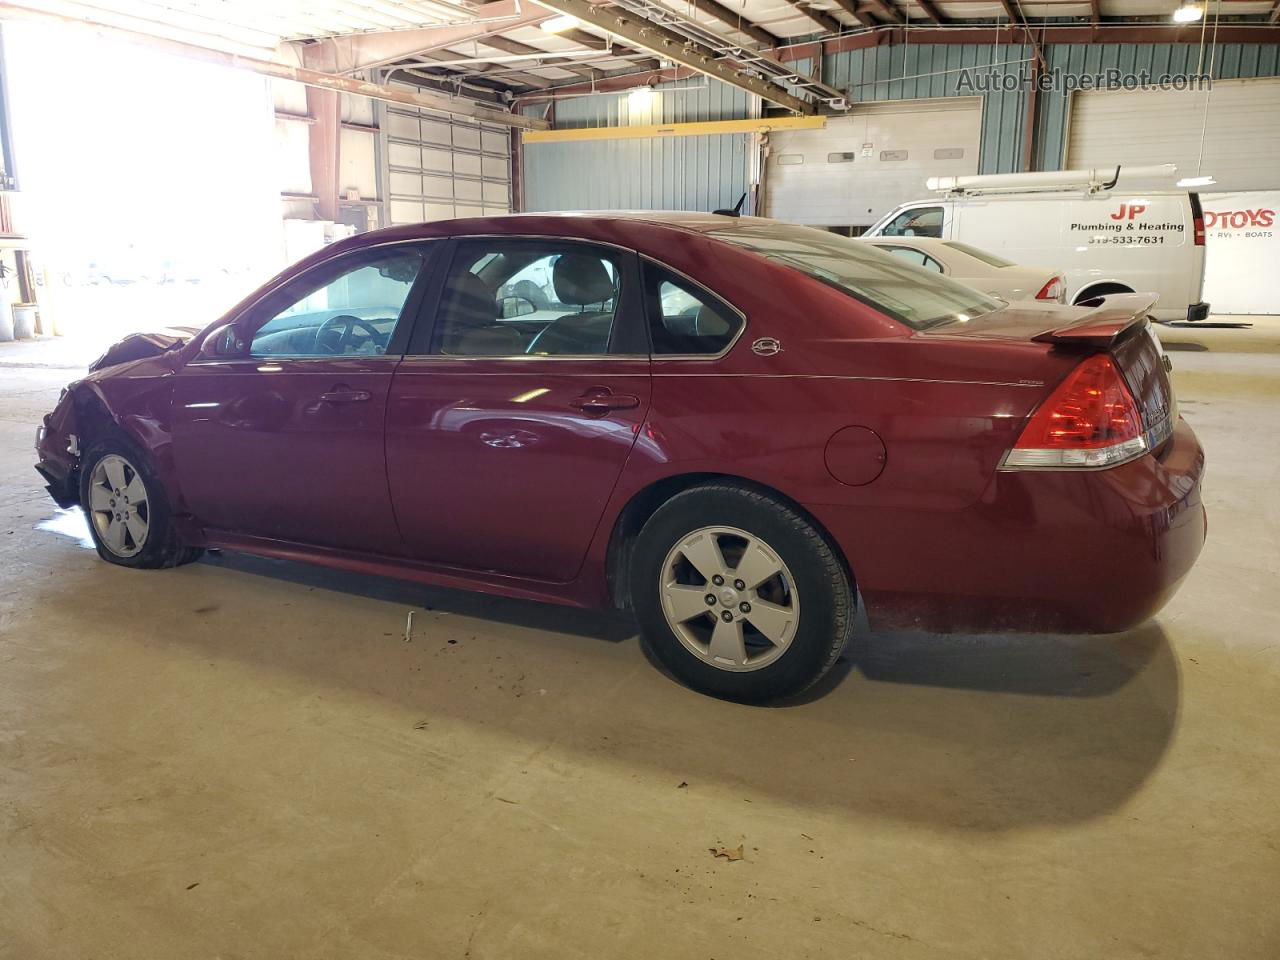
408 627
729 853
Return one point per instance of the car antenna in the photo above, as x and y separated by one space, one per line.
735 212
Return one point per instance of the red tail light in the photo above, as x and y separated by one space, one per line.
1089 421
1052 290
1199 228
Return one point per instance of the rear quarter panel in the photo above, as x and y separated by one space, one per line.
946 410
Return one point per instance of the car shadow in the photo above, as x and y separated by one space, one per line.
598 624
960 733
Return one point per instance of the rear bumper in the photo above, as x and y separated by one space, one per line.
1054 551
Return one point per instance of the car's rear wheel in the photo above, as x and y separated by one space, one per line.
739 595
124 502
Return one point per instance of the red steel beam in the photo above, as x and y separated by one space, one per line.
1151 33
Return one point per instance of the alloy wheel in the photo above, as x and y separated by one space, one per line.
729 598
118 505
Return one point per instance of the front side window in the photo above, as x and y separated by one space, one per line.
917 222
515 298
685 320
351 314
911 295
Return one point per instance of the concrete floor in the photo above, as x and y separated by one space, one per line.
244 759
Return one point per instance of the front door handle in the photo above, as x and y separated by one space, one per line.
343 395
600 401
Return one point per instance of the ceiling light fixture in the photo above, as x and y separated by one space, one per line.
640 97
1187 13
560 24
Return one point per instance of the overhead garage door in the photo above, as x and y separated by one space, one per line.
1241 131
861 166
440 166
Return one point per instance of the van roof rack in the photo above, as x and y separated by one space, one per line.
1091 180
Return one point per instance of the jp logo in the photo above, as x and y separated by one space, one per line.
1128 211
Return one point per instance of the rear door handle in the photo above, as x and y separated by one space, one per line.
345 396
597 403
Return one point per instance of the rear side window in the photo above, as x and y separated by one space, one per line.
505 298
913 257
911 295
684 319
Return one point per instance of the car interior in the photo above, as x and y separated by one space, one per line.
528 302
349 331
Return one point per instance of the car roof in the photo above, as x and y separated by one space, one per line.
616 222
648 231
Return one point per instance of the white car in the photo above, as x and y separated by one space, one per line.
1094 225
976 268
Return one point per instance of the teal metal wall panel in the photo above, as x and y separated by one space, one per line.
674 173
668 173
702 173
912 71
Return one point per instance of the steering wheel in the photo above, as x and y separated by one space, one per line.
350 323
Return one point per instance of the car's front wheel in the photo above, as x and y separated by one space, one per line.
739 595
124 502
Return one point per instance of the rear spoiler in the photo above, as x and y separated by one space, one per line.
1102 326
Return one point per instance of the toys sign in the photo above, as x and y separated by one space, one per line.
1242 247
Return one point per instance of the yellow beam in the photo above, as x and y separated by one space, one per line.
759 125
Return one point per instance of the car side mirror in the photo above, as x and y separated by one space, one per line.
513 307
224 343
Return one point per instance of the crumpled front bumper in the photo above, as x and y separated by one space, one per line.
58 453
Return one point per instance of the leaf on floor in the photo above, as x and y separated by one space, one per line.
729 853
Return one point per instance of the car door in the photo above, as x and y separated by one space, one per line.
284 437
514 410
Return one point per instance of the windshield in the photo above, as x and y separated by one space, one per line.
990 259
911 295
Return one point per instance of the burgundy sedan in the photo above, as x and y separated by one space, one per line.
736 428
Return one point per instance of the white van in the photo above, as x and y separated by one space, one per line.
1101 240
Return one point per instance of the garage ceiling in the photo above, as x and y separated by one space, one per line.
500 50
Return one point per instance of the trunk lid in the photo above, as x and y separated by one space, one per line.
1117 324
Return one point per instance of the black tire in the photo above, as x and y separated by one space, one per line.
822 587
162 546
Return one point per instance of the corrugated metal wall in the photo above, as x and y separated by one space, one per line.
918 70
674 173
1234 61
702 173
